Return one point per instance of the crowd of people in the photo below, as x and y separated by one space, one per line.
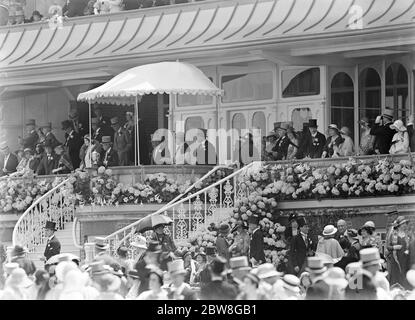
343 263
76 8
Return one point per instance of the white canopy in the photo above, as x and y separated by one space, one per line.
163 77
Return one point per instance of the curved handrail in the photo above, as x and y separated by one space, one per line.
171 205
32 206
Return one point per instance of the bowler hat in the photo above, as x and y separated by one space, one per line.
100 243
66 124
176 267
50 225
31 122
239 263
210 250
154 246
114 121
106 139
312 123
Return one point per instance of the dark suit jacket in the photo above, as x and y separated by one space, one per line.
46 166
299 249
256 247
218 290
73 144
222 247
31 140
281 147
314 145
51 140
10 165
384 135
53 247
110 159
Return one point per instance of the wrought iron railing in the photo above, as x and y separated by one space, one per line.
191 212
56 205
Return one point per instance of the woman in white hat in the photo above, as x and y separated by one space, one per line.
333 143
328 245
400 141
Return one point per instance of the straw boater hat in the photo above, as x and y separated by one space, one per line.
315 265
100 244
291 282
398 126
369 257
267 270
388 114
336 277
329 230
239 263
176 267
139 242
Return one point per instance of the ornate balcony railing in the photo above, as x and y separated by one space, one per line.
191 212
57 205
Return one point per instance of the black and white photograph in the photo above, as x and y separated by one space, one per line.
212 150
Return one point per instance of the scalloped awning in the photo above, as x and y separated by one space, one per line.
162 77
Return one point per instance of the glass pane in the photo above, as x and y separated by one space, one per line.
342 80
343 117
238 122
258 122
247 87
370 77
389 76
300 82
343 99
389 103
402 75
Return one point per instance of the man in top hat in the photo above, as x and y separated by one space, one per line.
30 140
8 161
204 274
383 133
168 246
73 143
109 156
222 245
48 162
256 248
151 259
122 142
318 290
178 289
314 142
280 149
46 135
103 122
217 288
64 164
53 246
303 138
239 268
302 247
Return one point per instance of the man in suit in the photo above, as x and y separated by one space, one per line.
122 142
301 247
303 138
8 161
179 290
73 143
205 153
341 229
279 152
218 288
110 156
411 250
46 135
256 247
315 142
411 132
64 164
103 122
382 132
48 162
32 137
53 246
205 277
222 245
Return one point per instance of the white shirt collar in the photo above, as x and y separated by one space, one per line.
51 237
314 134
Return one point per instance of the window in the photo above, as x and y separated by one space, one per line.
186 100
300 82
342 101
300 116
397 90
369 94
258 122
247 87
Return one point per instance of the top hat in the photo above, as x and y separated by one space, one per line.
176 267
301 221
47 125
329 230
66 124
276 125
253 219
100 243
292 216
312 123
31 122
106 139
267 270
154 246
284 126
224 228
139 242
315 265
218 265
291 282
18 251
398 126
369 257
50 225
210 250
114 121
239 263
388 114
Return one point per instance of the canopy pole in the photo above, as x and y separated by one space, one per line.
90 134
137 159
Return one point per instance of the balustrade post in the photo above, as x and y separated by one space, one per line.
89 248
9 253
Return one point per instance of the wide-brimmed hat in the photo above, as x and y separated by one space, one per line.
101 244
210 251
368 225
398 126
410 276
334 127
267 270
253 277
329 230
114 121
106 139
9 267
18 278
315 265
66 124
176 267
139 242
224 228
388 114
345 131
312 123
18 251
291 282
154 246
30 122
369 257
336 277
239 263
399 221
